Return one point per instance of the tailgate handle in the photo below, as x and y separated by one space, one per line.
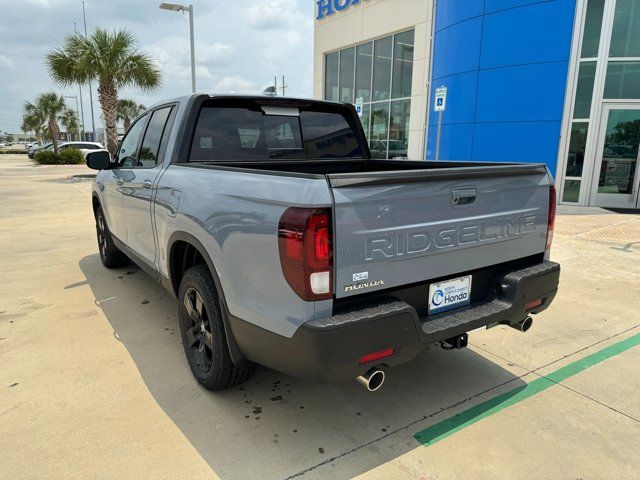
463 196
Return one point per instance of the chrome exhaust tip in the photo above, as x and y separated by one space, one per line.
524 325
373 379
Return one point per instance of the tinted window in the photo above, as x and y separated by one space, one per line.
153 137
127 155
248 133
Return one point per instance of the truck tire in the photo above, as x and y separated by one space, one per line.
110 255
203 334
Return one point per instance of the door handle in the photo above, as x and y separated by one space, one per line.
463 196
147 184
119 182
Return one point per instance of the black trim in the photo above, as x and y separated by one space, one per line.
187 127
328 350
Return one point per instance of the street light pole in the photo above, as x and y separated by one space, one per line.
193 53
176 7
93 120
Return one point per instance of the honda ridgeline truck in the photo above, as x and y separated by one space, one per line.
287 245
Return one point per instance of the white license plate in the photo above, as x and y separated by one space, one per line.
449 294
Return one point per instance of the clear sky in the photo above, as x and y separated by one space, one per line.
240 46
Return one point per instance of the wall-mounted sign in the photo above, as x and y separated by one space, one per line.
359 102
329 7
441 99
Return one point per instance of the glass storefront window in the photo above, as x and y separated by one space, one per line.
620 153
402 64
379 72
347 66
592 28
571 192
577 145
364 60
625 38
331 77
623 80
399 129
584 90
379 134
382 68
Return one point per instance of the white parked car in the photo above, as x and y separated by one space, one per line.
84 147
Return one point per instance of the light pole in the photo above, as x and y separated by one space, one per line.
176 7
77 111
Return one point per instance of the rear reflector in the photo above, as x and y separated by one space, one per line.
372 357
552 216
533 304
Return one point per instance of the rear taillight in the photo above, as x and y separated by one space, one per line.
305 241
552 216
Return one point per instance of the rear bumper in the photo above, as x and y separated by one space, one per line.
328 350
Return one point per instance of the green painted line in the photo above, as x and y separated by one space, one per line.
451 425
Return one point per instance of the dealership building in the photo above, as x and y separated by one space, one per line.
551 81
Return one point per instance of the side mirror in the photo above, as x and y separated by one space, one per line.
99 160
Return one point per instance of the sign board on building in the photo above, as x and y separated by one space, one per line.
329 7
440 102
359 102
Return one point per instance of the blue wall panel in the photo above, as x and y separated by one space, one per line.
522 93
455 142
450 12
506 70
460 45
522 142
527 35
495 5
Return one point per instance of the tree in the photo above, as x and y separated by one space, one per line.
70 123
43 116
128 110
33 121
110 58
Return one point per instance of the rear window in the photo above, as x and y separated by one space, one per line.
254 133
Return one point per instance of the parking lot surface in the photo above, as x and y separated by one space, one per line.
94 382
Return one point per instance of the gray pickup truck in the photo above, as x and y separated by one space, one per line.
287 245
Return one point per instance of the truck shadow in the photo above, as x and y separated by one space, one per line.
276 426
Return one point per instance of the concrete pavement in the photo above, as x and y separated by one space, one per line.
94 383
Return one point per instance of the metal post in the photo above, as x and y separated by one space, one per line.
283 86
93 120
75 29
193 54
438 135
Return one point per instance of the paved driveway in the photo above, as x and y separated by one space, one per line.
94 383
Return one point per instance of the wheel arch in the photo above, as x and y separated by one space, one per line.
184 251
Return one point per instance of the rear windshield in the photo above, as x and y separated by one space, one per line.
250 132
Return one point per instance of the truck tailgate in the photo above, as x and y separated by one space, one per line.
399 228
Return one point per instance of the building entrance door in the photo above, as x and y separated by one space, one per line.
616 179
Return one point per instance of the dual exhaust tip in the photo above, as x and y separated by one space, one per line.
524 325
374 378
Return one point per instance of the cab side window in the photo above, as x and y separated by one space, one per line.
127 156
153 137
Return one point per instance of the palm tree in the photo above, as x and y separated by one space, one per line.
70 123
128 110
33 121
44 115
112 60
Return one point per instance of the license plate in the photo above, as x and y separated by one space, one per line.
449 294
